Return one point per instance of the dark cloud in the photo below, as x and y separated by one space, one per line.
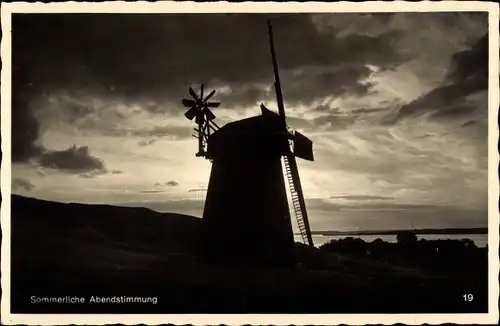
369 110
151 191
172 183
25 129
469 123
309 85
299 123
162 131
152 59
333 121
158 132
461 109
334 118
197 190
152 134
89 175
20 183
362 197
116 172
468 74
363 204
471 65
74 160
156 57
146 142
326 108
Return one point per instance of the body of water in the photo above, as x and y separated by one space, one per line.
481 240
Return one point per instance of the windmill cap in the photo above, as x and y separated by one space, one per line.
259 136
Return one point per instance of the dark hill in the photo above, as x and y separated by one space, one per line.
76 234
61 250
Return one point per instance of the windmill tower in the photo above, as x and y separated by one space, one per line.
246 218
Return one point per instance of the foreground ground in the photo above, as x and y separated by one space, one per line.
81 250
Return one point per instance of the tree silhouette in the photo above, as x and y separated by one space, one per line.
406 237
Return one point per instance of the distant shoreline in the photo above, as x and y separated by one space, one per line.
395 232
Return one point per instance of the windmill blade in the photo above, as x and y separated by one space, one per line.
209 114
212 104
277 85
201 93
191 113
188 103
193 94
302 146
200 118
209 95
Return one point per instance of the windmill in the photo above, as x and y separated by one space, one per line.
199 109
246 218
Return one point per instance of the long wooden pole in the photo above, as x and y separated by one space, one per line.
290 155
277 84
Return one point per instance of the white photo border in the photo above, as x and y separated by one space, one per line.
491 317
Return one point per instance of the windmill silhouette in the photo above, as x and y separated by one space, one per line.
246 218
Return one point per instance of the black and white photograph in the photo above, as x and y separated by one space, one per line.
178 159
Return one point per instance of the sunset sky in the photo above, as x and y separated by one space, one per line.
396 105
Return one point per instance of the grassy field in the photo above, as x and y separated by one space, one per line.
91 250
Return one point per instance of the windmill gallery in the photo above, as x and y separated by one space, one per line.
246 218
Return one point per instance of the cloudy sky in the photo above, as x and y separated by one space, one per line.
396 105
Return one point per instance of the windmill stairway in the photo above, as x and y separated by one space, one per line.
297 196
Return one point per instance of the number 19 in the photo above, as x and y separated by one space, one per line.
468 297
